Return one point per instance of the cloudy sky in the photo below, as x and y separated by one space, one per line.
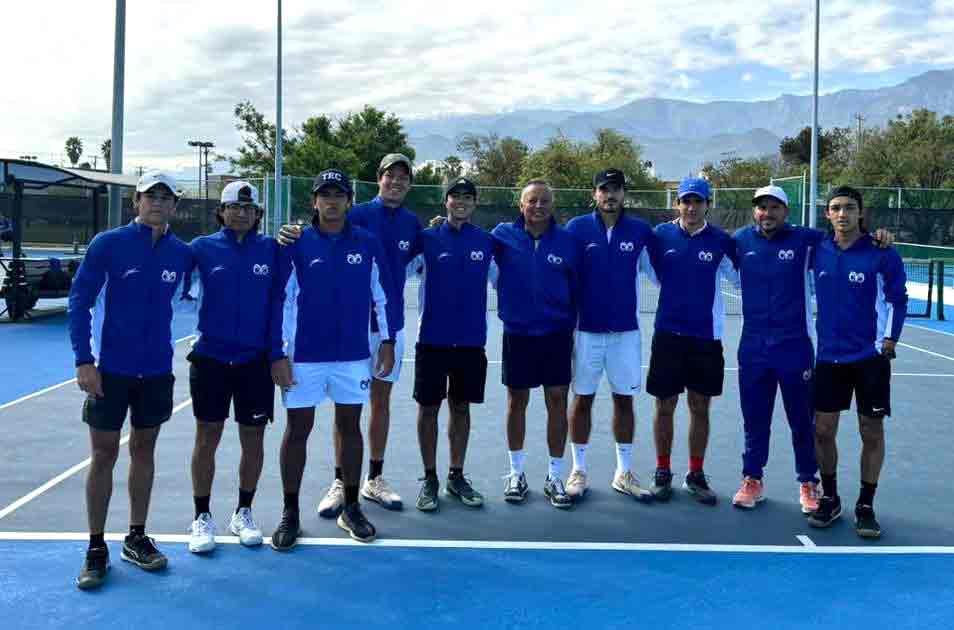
189 62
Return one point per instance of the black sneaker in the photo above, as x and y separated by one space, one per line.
459 486
286 534
353 521
516 489
829 510
553 489
427 500
866 525
141 550
697 485
662 484
94 569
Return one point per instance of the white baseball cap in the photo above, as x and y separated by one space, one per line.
240 192
152 178
774 192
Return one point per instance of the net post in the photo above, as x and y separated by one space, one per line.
940 289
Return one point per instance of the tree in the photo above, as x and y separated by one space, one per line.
497 161
371 134
740 173
106 149
257 155
74 149
427 175
453 167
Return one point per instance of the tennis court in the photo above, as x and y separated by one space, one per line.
610 562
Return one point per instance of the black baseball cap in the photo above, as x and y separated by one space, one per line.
460 184
846 191
610 176
332 177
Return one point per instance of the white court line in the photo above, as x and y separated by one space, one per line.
57 386
66 474
940 332
933 354
506 545
806 541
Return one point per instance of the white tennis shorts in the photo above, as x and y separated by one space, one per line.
344 382
619 354
374 342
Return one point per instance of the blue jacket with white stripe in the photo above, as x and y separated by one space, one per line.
456 268
238 286
609 271
689 269
330 284
862 299
397 230
776 293
121 300
537 282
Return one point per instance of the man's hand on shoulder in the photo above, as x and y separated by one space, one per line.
289 233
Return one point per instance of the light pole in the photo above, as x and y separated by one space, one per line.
813 178
277 210
203 146
116 145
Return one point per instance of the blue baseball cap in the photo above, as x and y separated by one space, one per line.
695 186
332 177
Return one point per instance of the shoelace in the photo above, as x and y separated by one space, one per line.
201 526
148 545
750 486
380 487
513 479
246 517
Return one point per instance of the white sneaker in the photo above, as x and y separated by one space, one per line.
577 484
243 526
378 490
202 534
334 501
627 483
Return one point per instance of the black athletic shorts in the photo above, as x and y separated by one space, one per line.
869 380
531 361
680 362
149 399
464 367
215 385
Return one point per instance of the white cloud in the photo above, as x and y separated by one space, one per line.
188 62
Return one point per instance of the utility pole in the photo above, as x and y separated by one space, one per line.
859 137
203 147
119 78
813 181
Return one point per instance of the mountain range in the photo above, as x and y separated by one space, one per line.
679 136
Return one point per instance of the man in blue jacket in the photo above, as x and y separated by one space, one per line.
862 303
615 250
231 357
120 308
397 229
336 274
691 259
537 288
450 361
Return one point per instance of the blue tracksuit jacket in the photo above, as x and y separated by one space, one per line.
330 284
237 296
121 300
537 285
861 297
609 271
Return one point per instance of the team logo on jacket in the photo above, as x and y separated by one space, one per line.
404 245
365 383
315 261
443 255
130 272
626 246
807 375
476 255
555 260
705 256
260 270
786 254
591 246
856 277
354 259
217 268
168 276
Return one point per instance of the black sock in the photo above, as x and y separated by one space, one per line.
867 493
201 505
245 499
291 501
351 495
137 530
456 472
97 541
430 474
829 486
375 469
338 474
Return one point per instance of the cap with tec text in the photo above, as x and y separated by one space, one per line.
332 177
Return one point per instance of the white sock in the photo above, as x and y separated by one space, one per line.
624 457
556 467
516 462
579 456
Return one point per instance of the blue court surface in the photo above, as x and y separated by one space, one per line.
607 563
